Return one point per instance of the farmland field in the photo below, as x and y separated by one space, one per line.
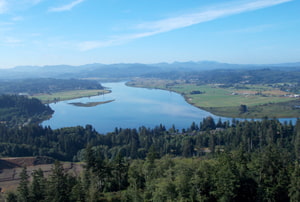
213 96
260 100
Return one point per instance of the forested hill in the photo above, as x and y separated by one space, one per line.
18 110
47 85
241 161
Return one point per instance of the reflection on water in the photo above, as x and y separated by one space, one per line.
131 108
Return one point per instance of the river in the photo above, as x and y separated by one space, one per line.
131 108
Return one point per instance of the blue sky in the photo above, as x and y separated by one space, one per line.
75 32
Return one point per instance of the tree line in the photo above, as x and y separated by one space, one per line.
207 137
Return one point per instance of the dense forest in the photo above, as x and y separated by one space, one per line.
210 161
208 137
19 110
50 85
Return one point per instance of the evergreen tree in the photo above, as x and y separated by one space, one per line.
57 184
23 189
78 193
38 186
89 157
120 172
11 197
136 180
247 190
226 179
294 188
297 141
208 123
150 173
273 176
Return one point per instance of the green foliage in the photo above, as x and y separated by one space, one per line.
243 109
207 124
19 110
297 140
294 187
38 186
58 190
226 179
23 189
11 197
68 144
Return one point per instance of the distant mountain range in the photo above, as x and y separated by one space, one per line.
123 70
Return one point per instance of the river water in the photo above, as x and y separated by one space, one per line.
132 108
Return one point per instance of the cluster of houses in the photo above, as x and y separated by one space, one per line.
257 93
292 95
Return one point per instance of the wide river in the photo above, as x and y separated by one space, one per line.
132 108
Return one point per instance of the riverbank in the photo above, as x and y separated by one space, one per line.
257 102
68 95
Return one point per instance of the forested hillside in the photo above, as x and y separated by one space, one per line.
18 110
50 85
238 161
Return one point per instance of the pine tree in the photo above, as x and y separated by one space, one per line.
297 141
294 188
38 186
89 157
273 176
226 179
23 190
120 172
11 197
57 186
78 193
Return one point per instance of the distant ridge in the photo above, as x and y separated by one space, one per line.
128 70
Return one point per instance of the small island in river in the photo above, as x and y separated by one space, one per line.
90 104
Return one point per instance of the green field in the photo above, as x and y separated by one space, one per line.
227 101
68 95
219 97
